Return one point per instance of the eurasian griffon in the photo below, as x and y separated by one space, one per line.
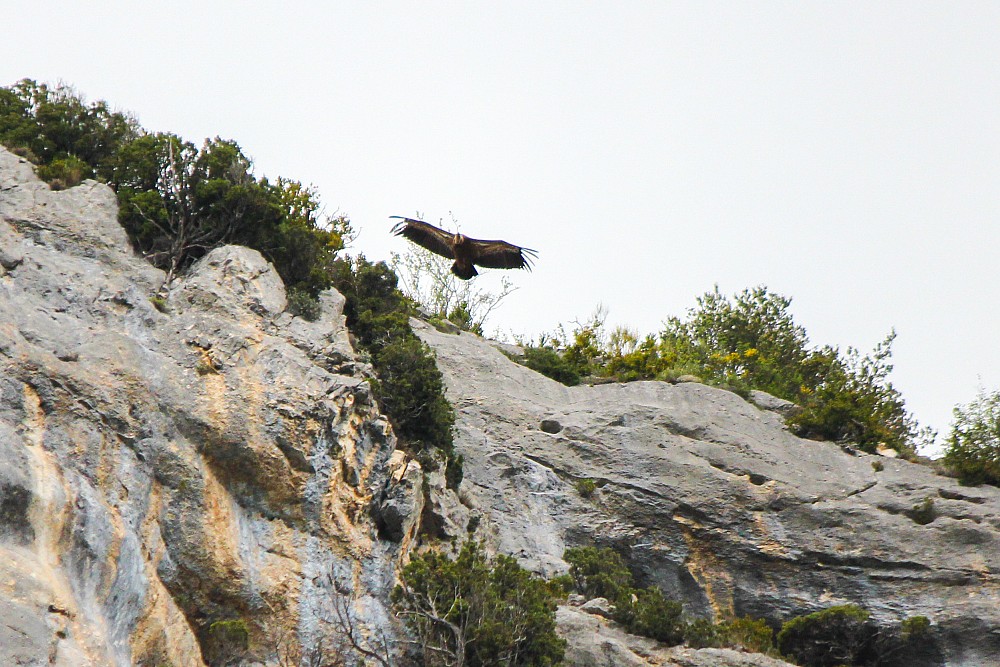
467 253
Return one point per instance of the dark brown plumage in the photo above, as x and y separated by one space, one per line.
467 253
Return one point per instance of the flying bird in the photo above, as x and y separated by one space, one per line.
467 253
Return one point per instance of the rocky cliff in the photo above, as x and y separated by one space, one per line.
192 475
712 499
180 477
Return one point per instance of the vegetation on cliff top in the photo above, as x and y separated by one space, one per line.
177 202
973 448
749 341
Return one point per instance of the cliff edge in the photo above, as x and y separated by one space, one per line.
712 499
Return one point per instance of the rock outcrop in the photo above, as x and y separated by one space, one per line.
712 499
180 477
191 473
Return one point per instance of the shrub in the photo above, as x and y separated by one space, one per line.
749 634
586 487
973 448
828 638
474 611
648 613
64 172
915 627
598 573
923 512
745 633
159 302
409 385
303 304
703 633
549 363
226 642
845 635
602 573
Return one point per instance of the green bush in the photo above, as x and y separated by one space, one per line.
64 172
598 572
915 627
923 512
846 635
602 573
549 363
478 612
749 634
703 633
648 613
973 447
828 638
586 487
58 130
303 304
409 385
749 341
745 633
176 201
226 642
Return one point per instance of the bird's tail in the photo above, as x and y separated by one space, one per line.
464 272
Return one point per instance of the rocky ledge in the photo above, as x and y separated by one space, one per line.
712 499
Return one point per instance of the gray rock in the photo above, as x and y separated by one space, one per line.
550 426
445 517
161 471
766 401
714 501
402 500
598 606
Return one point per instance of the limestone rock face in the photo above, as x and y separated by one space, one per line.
177 480
190 475
713 500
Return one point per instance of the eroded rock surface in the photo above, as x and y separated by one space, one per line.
181 473
711 498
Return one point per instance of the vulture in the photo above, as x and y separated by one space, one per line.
467 253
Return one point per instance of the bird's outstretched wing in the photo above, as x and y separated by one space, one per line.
501 255
423 234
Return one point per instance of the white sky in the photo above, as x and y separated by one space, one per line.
846 154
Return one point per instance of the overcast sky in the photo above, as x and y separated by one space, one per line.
846 155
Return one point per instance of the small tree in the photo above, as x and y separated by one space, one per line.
476 612
973 448
598 573
55 127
